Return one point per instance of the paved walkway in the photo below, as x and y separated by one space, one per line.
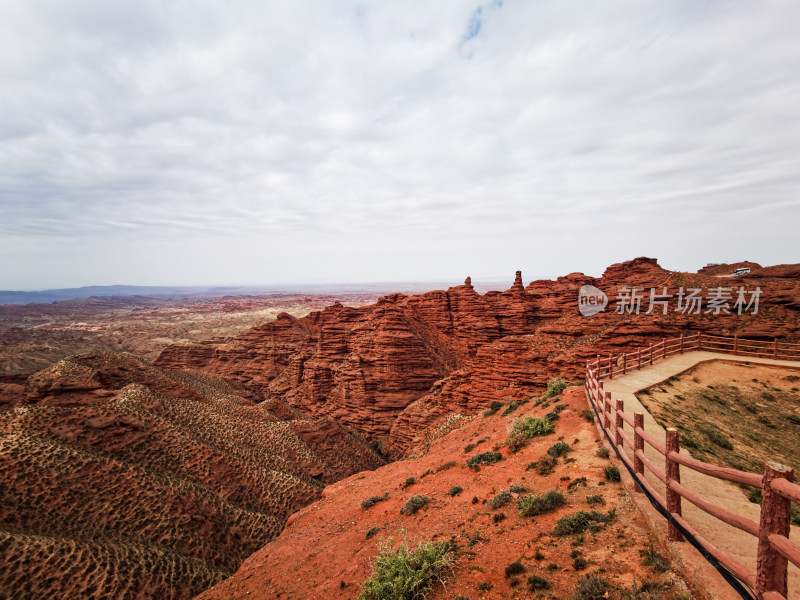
732 541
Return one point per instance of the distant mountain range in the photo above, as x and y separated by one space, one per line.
171 292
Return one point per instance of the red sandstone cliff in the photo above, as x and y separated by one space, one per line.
393 368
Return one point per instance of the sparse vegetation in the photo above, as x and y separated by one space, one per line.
581 521
579 563
448 465
493 408
485 458
580 481
588 414
533 504
591 587
559 449
497 517
399 573
652 558
409 482
371 532
603 453
500 500
514 568
373 500
414 504
595 500
611 473
537 583
518 488
456 489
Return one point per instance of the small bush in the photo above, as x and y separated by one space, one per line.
514 581
484 587
448 465
493 408
537 583
579 563
588 414
485 458
371 532
497 517
555 387
603 453
612 473
576 482
409 481
552 567
580 522
518 488
469 448
513 406
595 500
500 500
590 587
403 574
559 449
532 426
456 489
652 558
545 465
514 568
373 500
754 495
533 504
413 504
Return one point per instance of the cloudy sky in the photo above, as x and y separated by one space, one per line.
168 142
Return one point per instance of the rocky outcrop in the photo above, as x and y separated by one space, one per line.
391 369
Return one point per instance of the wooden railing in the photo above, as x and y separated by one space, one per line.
612 365
769 579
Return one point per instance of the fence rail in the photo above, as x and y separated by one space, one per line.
769 578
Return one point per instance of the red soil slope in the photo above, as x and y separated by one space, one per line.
324 552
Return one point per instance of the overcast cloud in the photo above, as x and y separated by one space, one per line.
168 142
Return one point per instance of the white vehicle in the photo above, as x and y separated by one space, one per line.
742 271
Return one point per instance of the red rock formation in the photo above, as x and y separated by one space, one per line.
392 368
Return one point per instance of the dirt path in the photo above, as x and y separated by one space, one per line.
732 541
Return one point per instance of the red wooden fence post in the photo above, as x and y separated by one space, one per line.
736 344
638 444
664 353
619 424
771 566
610 368
673 471
639 356
699 341
624 363
651 353
607 410
599 367
775 348
681 344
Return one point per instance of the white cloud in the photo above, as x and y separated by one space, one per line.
164 142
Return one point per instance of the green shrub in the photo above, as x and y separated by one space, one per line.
409 481
513 406
497 517
403 574
456 489
493 408
533 504
588 414
448 465
413 504
754 495
580 522
484 458
532 426
603 453
371 532
612 473
538 555
500 500
518 488
537 583
559 449
514 568
595 499
373 500
579 563
555 387
545 465
590 587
